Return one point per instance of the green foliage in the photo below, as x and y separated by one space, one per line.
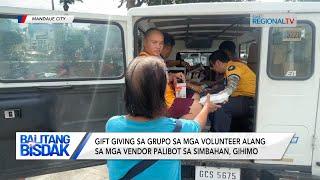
10 40
137 3
73 43
66 3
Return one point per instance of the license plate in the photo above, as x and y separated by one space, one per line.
214 173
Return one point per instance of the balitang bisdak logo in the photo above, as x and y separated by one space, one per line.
45 145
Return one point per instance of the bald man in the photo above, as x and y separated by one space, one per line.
152 43
186 108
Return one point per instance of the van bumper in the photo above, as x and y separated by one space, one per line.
251 170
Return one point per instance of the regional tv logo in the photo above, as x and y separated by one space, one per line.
273 20
47 145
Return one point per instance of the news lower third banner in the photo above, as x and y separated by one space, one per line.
82 145
45 19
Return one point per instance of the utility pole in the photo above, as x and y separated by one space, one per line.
52 4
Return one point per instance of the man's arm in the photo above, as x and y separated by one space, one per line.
195 87
233 81
171 63
208 107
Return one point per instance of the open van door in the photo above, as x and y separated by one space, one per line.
288 87
57 77
316 150
316 138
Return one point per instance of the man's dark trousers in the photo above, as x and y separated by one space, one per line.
233 116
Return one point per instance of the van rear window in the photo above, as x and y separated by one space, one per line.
291 52
60 51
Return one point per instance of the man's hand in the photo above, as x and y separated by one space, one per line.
173 78
185 64
209 91
195 88
180 76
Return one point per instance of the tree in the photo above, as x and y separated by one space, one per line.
67 2
12 49
104 43
73 43
11 40
137 3
302 0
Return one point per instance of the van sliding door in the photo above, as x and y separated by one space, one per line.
57 77
316 138
289 86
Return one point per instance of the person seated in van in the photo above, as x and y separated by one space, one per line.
241 86
186 108
213 87
146 107
182 63
168 45
229 47
192 89
179 57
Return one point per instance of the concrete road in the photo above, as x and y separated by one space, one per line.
95 172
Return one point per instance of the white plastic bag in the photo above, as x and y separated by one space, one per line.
215 98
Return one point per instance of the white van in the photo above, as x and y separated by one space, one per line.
69 77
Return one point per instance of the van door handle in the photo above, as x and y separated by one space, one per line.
55 87
318 163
